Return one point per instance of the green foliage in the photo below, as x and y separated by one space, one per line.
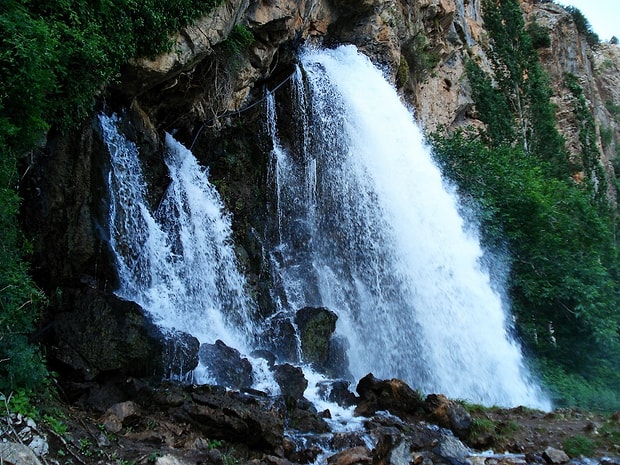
56 424
612 108
579 445
57 55
481 428
20 401
420 56
573 390
559 232
492 106
214 444
21 364
590 154
240 37
402 75
514 102
539 35
583 25
607 136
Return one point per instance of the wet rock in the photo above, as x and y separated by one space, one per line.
392 395
306 420
554 456
337 391
226 365
291 381
346 440
316 326
451 448
266 355
104 333
352 456
220 414
281 339
179 353
448 414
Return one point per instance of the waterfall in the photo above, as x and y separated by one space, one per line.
367 227
362 223
177 260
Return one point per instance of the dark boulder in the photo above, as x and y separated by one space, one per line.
226 365
291 380
104 333
222 414
280 338
337 391
392 395
316 326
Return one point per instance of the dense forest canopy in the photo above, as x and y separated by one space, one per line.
56 58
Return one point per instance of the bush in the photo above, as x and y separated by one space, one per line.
539 34
579 445
21 364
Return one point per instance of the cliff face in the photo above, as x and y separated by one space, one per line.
596 71
422 45
215 72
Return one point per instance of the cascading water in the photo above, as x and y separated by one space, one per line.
362 225
177 262
367 228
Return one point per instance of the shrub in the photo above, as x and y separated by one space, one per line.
539 34
579 445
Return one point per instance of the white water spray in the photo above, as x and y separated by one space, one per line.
176 261
367 228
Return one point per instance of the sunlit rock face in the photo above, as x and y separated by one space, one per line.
597 71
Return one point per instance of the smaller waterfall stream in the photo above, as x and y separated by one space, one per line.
176 261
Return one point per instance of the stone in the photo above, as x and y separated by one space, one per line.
12 453
392 395
221 414
448 414
281 339
169 459
451 448
316 326
39 445
105 333
555 456
337 391
352 456
291 380
179 353
226 365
